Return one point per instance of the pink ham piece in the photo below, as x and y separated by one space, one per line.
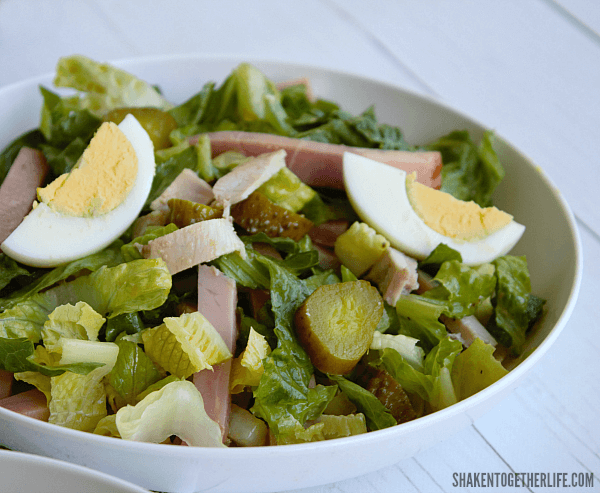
395 274
325 234
327 258
195 244
319 164
187 186
469 329
19 189
6 382
217 301
244 179
31 403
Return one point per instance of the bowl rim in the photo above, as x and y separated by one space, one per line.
78 472
461 407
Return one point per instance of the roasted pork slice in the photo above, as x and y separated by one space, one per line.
19 189
245 178
187 186
395 274
195 244
320 164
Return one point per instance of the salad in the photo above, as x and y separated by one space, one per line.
228 282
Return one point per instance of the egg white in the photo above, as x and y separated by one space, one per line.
46 238
378 194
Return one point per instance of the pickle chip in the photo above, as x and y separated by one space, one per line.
335 324
258 214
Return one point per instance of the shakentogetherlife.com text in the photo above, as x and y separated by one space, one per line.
522 480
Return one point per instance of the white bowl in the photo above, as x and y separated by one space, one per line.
551 244
33 473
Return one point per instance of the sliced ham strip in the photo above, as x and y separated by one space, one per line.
467 329
217 301
327 258
19 189
31 403
325 234
395 274
155 218
187 186
195 244
319 164
6 382
245 178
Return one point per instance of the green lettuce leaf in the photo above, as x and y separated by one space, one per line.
434 383
418 318
10 269
105 87
248 272
470 172
475 369
133 372
18 355
110 291
516 309
462 287
110 256
128 323
377 415
283 397
437 257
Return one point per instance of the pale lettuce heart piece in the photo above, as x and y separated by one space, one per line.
105 87
186 344
79 321
247 369
176 409
78 401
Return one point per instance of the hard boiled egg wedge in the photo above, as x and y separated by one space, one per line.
415 218
84 211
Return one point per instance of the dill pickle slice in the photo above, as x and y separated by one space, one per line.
258 214
391 394
335 324
159 124
186 212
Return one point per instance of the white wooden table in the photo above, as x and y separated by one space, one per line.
530 69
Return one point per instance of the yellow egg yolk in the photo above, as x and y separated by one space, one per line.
100 180
451 217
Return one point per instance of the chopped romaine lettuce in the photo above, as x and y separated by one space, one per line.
175 409
475 369
133 372
434 383
377 415
462 287
105 87
283 398
514 308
